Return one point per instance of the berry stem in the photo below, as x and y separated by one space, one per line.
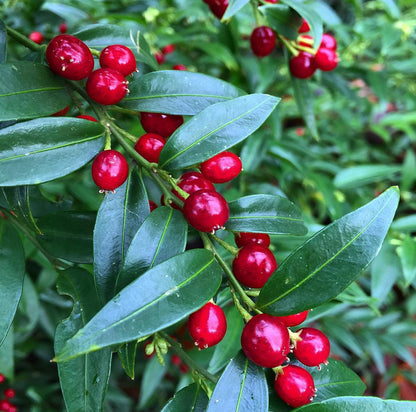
255 292
288 45
310 50
23 39
246 316
123 110
254 5
233 250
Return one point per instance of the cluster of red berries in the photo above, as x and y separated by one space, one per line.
9 393
217 7
160 56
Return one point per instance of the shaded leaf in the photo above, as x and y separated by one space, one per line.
283 19
152 376
3 43
189 399
233 7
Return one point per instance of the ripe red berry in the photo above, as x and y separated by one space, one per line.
218 7
262 41
12 408
109 169
221 168
295 386
2 378
244 238
253 265
294 320
314 347
328 42
207 326
190 182
106 86
179 67
169 48
69 57
304 27
206 210
62 112
160 57
302 66
265 340
87 117
118 57
36 36
152 205
159 123
149 146
9 393
63 27
326 59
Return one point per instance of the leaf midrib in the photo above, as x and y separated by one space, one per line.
46 89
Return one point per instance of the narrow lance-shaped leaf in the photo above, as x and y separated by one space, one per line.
3 42
265 214
177 92
29 90
162 296
241 388
330 260
215 129
192 398
40 150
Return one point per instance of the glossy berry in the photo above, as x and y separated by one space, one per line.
69 57
190 182
265 340
179 67
326 59
302 66
109 169
152 205
304 28
5 405
207 326
36 36
160 57
221 168
106 86
149 146
295 386
169 48
206 210
294 320
218 7
244 238
328 42
2 378
118 57
159 123
314 347
9 393
262 41
253 265
87 117
63 27
62 112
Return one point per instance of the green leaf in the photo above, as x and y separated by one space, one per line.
67 13
164 295
361 175
177 92
150 381
408 172
7 355
162 236
12 272
241 388
283 19
265 214
68 235
3 43
40 150
29 90
83 380
405 224
330 260
359 403
120 215
407 253
226 122
189 399
233 7
127 355
220 52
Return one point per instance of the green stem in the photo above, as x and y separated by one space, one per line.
288 45
233 250
23 39
246 316
177 347
255 292
254 5
123 110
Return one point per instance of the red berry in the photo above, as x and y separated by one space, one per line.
160 57
302 66
221 168
149 146
206 210
9 393
314 347
176 360
184 368
295 386
36 36
272 1
304 27
118 57
62 112
190 182
2 378
106 86
159 123
262 41
87 117
244 238
207 326
326 59
5 405
169 48
265 340
152 205
69 57
109 169
179 67
253 265
63 27
218 7
294 320
12 408
328 42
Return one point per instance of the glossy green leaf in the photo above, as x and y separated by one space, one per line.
361 175
177 92
12 272
127 355
265 214
359 403
162 236
68 235
233 7
242 388
215 129
120 215
40 150
283 19
407 253
29 90
83 380
7 355
3 43
192 398
330 260
162 296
